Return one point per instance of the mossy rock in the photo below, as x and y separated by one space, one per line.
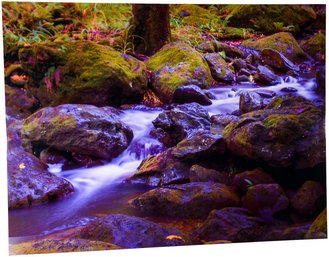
283 42
270 19
175 65
289 131
315 46
60 246
83 72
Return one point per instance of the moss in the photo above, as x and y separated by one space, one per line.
318 225
63 120
283 42
175 65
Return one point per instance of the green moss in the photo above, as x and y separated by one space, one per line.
175 65
283 42
63 120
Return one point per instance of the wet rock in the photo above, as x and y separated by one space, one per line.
145 147
250 101
131 232
245 72
192 200
242 78
201 174
29 182
82 72
294 232
289 90
307 200
265 76
14 127
265 200
269 19
82 129
176 65
315 46
289 131
174 125
277 61
239 64
52 156
283 42
220 71
231 223
318 228
199 146
321 80
19 103
190 94
161 169
59 246
253 177
223 119
265 93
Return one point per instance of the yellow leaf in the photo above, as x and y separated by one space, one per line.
22 166
172 237
251 78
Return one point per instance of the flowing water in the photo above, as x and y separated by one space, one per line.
100 191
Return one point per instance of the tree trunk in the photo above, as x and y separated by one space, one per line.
151 27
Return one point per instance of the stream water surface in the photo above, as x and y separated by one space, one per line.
99 190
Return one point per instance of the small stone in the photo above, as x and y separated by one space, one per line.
190 94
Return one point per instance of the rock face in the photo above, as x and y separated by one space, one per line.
219 68
130 232
201 174
176 65
192 200
30 183
83 129
250 101
289 131
232 224
59 246
83 72
283 42
265 200
307 200
161 169
174 125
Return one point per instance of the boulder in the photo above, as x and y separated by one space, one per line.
131 232
265 200
59 246
174 125
82 72
82 129
250 101
29 182
266 77
315 46
161 169
200 145
192 200
277 61
220 71
175 65
293 232
269 19
283 42
190 94
232 224
289 131
253 177
309 198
